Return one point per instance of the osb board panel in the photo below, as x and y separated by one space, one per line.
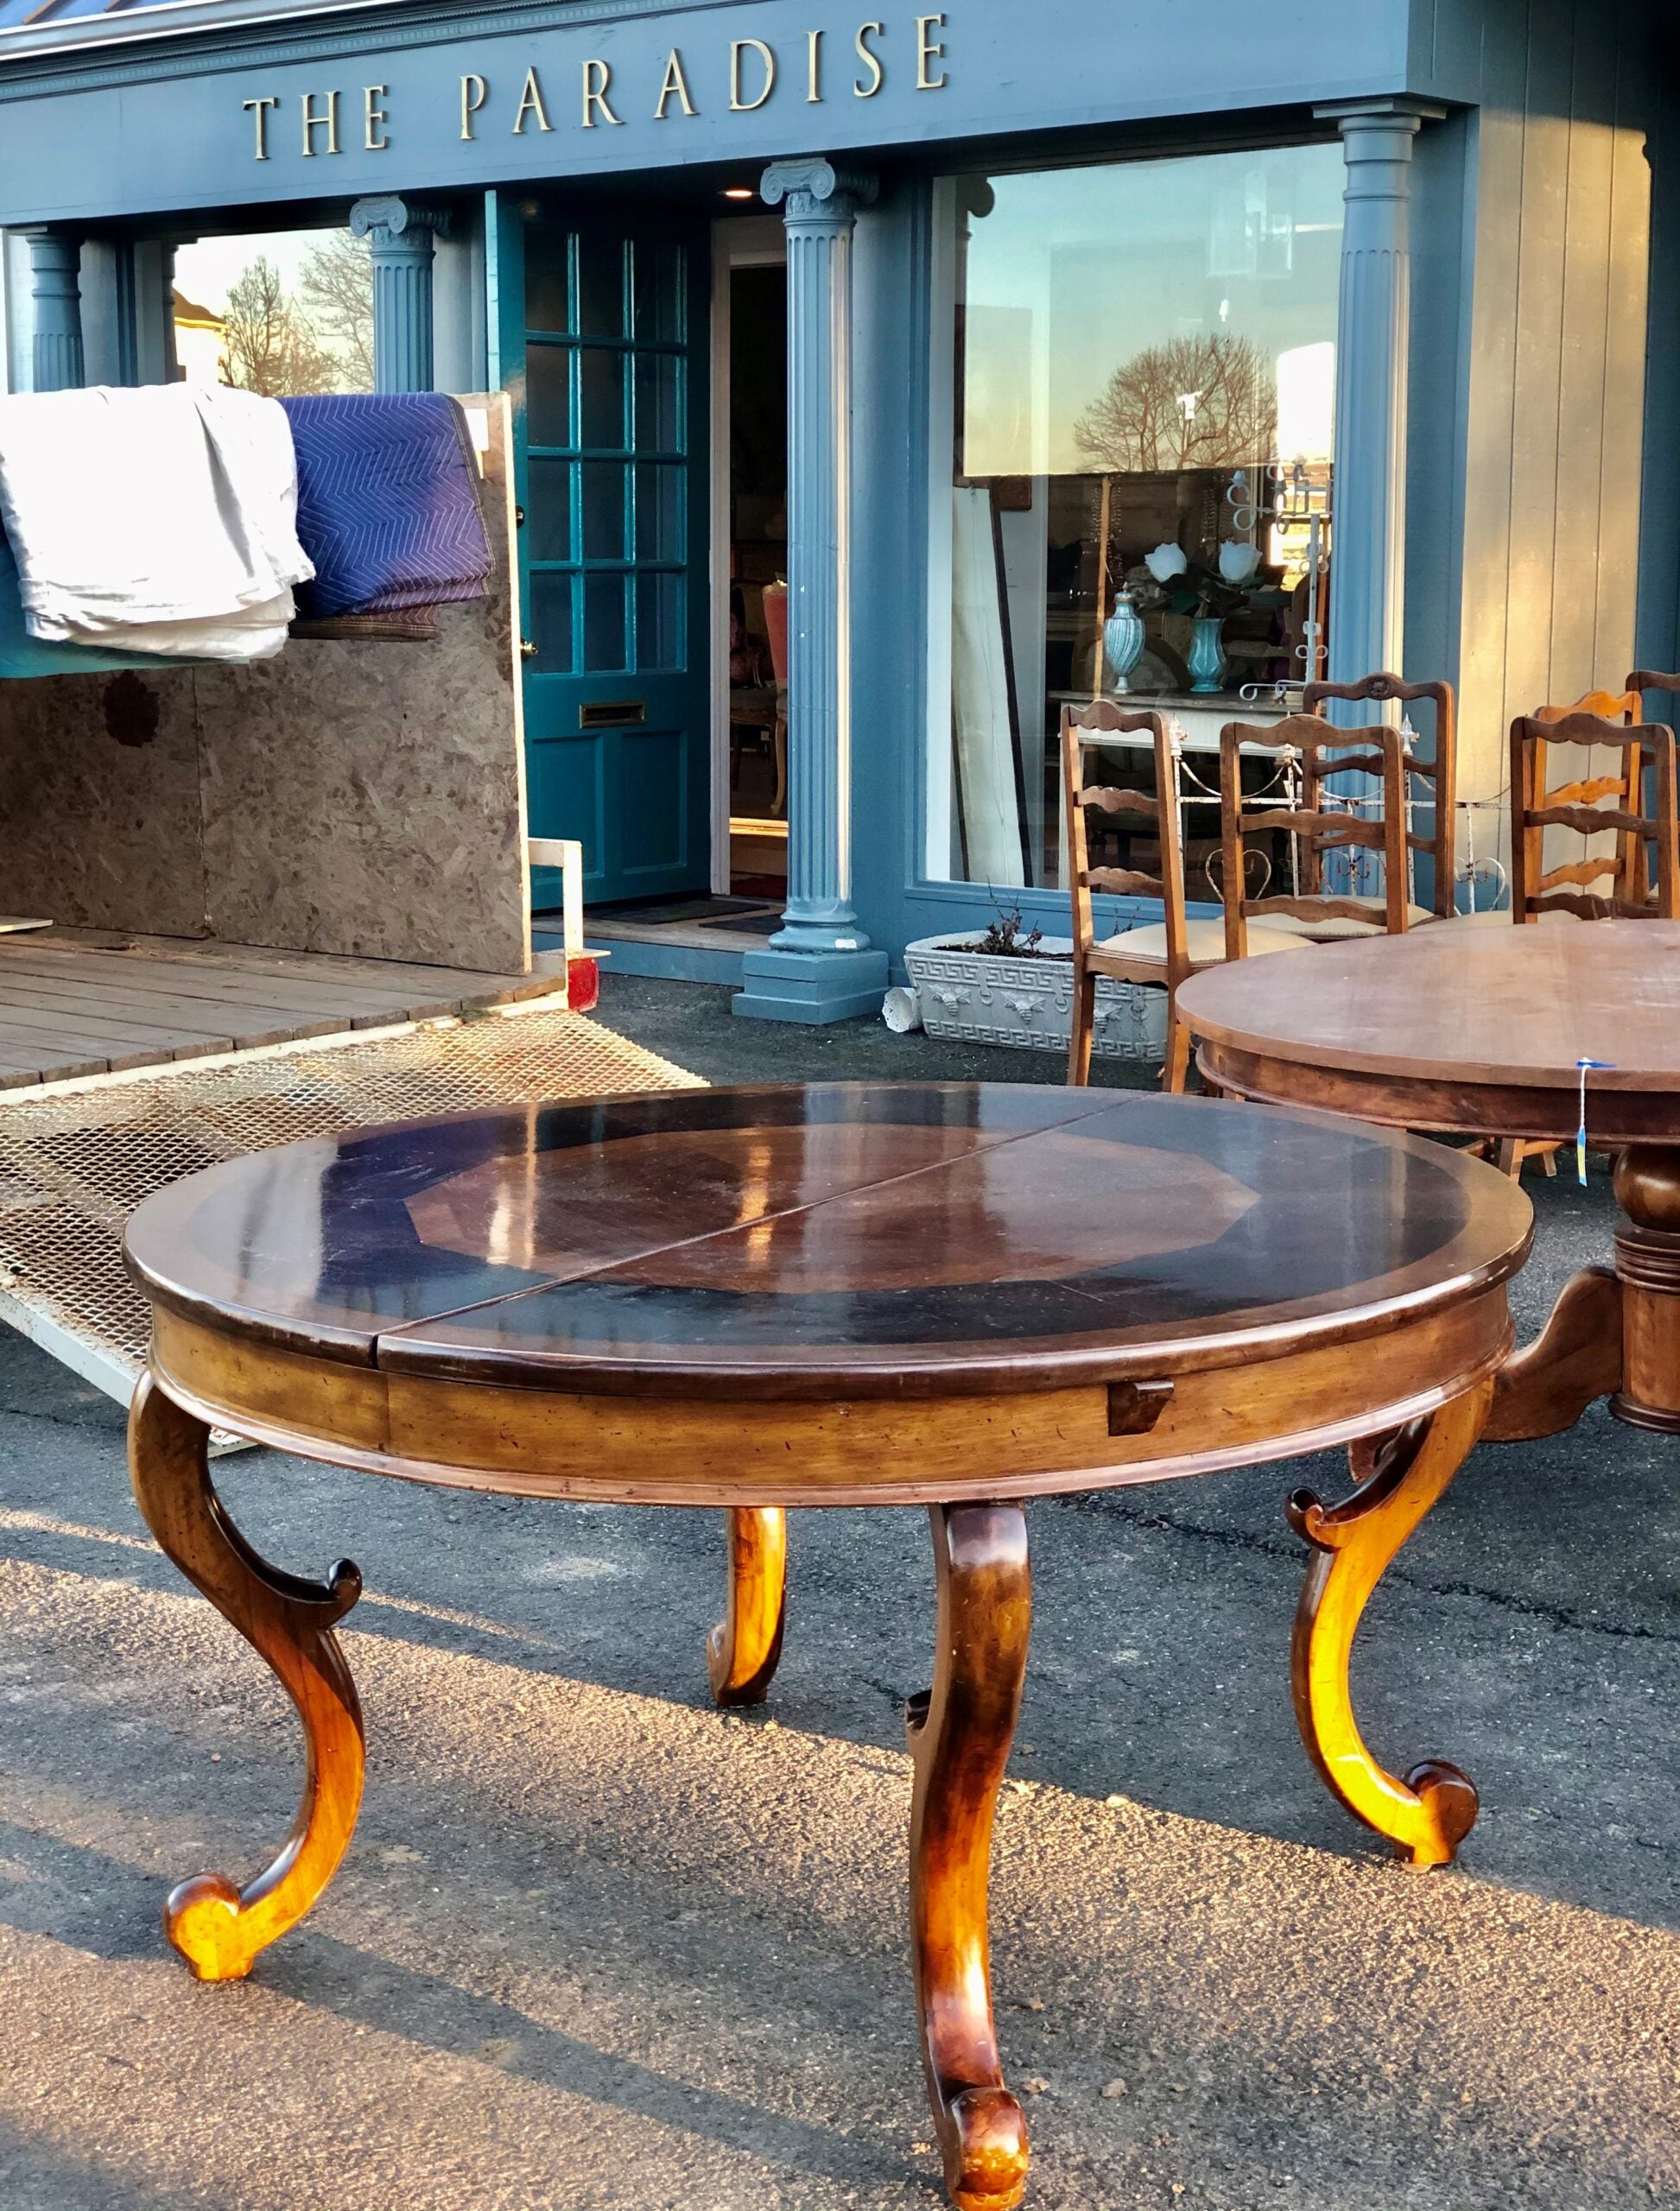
353 798
99 818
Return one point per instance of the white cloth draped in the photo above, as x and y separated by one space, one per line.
161 519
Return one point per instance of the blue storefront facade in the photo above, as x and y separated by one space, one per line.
1381 293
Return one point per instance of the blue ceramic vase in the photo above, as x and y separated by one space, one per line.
1206 662
1123 642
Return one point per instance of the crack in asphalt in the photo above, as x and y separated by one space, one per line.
1556 1616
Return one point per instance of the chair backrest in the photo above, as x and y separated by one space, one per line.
1379 752
1626 706
1440 772
1594 805
1083 728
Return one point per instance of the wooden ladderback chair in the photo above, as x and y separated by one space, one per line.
1084 727
1161 953
1615 883
1440 771
1315 832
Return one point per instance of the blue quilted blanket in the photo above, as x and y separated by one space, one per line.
387 503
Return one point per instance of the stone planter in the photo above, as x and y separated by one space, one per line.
973 998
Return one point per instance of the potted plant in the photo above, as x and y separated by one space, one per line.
1010 985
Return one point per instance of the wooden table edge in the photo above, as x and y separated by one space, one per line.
1009 1445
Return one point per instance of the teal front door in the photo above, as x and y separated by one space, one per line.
613 486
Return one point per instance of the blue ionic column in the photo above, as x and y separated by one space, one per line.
818 966
400 236
168 363
1367 580
55 258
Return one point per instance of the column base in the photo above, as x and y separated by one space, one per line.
814 988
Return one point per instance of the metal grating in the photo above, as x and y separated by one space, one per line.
74 1165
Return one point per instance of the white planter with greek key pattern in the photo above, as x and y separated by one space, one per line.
974 998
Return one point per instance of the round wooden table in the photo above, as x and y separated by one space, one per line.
958 1296
1482 1031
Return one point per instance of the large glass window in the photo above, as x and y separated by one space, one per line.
1133 428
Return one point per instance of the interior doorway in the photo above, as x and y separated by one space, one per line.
751 556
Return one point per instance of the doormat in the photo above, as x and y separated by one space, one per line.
74 1165
756 921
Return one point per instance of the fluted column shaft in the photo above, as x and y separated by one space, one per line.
400 238
1367 595
55 286
820 205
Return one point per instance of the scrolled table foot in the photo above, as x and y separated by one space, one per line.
219 1928
1428 1814
743 1651
959 1734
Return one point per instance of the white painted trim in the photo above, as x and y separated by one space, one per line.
566 854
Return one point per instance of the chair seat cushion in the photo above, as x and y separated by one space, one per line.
1207 942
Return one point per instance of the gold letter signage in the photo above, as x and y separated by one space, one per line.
740 76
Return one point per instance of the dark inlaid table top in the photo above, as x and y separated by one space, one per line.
863 1240
1508 1006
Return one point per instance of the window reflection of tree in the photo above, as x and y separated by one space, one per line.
1194 402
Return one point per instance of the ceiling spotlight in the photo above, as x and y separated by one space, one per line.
738 192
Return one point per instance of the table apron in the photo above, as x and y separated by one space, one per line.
669 1451
1457 1108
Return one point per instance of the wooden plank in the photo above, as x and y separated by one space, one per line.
334 966
1581 425
1620 512
118 976
90 1040
1543 224
307 993
38 1000
1496 179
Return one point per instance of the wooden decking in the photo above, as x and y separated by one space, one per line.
85 1002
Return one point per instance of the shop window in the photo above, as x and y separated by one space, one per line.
280 313
1132 489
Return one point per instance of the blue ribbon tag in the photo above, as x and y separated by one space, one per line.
1587 1067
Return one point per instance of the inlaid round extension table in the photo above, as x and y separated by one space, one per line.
956 1296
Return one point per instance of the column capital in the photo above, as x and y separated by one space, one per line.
1401 110
817 187
406 220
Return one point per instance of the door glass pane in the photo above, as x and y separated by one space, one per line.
658 385
603 623
546 252
658 619
604 510
659 511
659 292
551 625
548 510
603 398
600 287
548 394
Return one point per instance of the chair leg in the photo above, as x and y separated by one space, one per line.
1175 1076
1084 1028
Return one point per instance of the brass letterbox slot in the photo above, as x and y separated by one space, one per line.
611 714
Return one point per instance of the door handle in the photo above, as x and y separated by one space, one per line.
528 648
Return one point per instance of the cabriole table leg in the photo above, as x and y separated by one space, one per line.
1648 1268
960 1735
743 1651
217 1928
1429 1814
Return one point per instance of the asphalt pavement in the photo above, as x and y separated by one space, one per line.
597 1947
